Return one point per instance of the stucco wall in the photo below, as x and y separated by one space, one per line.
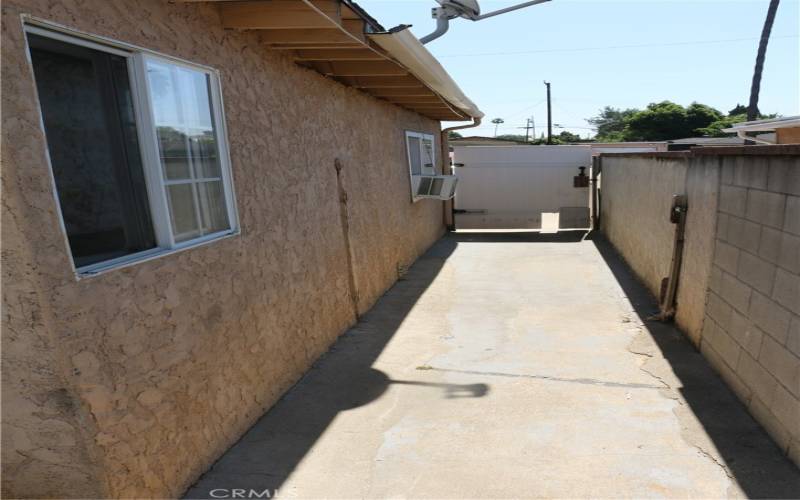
636 201
132 382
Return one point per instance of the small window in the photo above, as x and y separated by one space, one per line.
136 146
425 183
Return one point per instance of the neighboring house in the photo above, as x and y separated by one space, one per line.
198 198
786 130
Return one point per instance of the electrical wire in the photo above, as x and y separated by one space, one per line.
612 47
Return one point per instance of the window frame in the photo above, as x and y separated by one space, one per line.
422 137
137 58
448 182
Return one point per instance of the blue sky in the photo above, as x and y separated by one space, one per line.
687 51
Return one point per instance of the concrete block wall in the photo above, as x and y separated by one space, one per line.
751 333
739 287
636 198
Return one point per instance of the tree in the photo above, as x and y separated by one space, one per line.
715 128
755 89
699 116
610 123
738 110
566 136
663 121
660 121
497 122
454 135
511 137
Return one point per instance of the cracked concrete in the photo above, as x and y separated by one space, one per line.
509 366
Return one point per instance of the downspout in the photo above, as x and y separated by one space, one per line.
449 218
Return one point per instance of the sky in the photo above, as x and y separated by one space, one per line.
619 53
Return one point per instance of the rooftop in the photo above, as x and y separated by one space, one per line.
340 40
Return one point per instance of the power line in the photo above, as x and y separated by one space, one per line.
613 47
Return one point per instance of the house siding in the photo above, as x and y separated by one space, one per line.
132 382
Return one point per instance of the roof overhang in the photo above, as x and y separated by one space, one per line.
765 125
338 39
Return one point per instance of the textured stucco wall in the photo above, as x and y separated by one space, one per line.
637 196
132 382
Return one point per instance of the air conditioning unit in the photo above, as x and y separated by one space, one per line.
436 187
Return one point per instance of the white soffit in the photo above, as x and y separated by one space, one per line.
406 49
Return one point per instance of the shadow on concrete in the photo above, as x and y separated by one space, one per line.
562 236
752 458
341 379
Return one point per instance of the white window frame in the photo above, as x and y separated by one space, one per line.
422 138
448 182
149 148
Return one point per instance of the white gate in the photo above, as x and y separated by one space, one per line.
521 187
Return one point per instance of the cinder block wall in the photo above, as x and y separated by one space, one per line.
739 288
637 195
752 328
131 383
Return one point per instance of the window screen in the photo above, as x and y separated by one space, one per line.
415 155
88 114
428 158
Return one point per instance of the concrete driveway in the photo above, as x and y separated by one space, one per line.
508 366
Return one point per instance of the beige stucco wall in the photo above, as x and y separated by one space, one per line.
636 201
132 382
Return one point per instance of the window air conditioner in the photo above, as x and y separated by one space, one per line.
437 187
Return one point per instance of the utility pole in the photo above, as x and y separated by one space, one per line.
549 116
528 126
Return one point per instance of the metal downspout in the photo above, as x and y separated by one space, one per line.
449 218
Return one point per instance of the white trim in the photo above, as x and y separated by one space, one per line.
148 255
425 171
73 40
148 145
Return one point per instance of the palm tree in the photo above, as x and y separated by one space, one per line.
497 122
752 109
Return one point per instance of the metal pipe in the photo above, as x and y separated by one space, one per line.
442 25
508 9
449 217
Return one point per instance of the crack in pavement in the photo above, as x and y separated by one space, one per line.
586 381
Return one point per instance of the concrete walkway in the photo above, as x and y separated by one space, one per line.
508 366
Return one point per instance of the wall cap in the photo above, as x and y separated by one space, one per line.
771 150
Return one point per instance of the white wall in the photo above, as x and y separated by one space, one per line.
515 185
